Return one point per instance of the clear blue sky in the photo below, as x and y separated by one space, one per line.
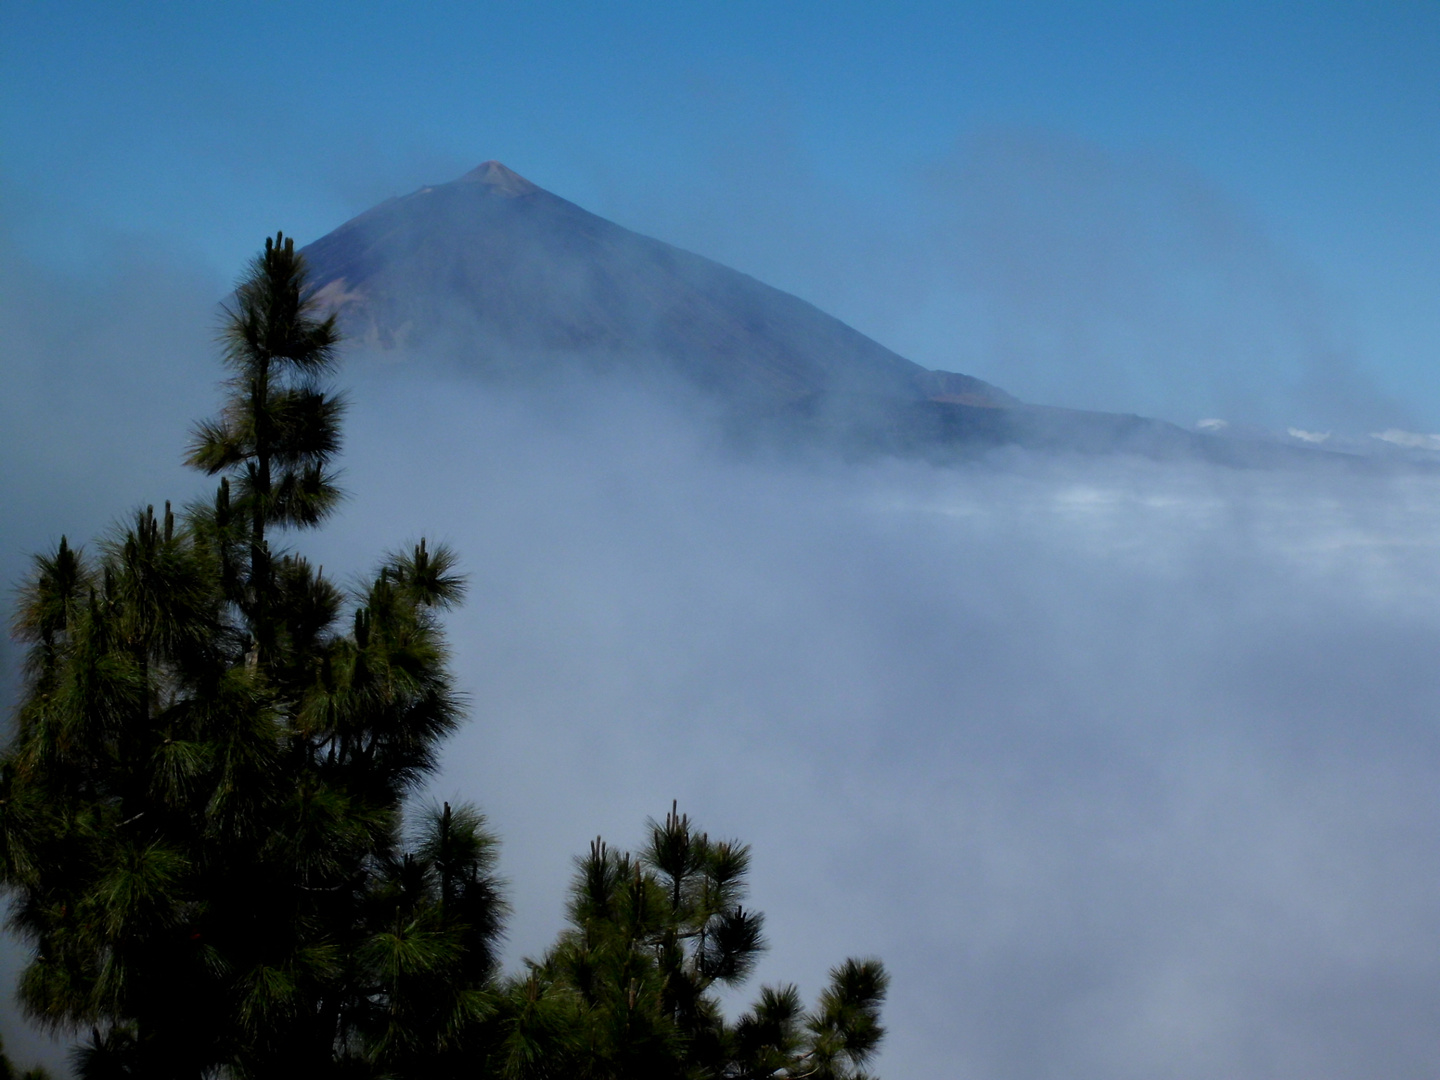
820 146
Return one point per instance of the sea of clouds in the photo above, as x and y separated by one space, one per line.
1125 769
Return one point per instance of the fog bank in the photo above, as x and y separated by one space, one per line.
1123 768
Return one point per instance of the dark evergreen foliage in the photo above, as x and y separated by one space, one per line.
626 993
8 1070
203 808
202 817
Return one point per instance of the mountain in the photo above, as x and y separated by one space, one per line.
509 279
495 260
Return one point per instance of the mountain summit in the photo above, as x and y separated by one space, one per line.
509 275
505 278
501 180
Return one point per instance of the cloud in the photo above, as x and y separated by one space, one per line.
1124 768
1408 439
1066 271
1124 280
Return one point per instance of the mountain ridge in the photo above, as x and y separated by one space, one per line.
506 277
516 267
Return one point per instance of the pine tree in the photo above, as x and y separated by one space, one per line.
627 991
8 1070
206 821
202 808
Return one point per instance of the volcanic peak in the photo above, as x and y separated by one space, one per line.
500 180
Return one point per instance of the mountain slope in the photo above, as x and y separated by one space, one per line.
506 278
493 260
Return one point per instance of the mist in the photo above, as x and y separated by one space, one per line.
1123 768
1065 270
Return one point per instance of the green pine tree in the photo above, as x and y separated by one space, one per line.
206 821
202 809
8 1070
627 993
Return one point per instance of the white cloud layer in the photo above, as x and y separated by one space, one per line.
1125 769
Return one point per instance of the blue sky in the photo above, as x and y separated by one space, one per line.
815 145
